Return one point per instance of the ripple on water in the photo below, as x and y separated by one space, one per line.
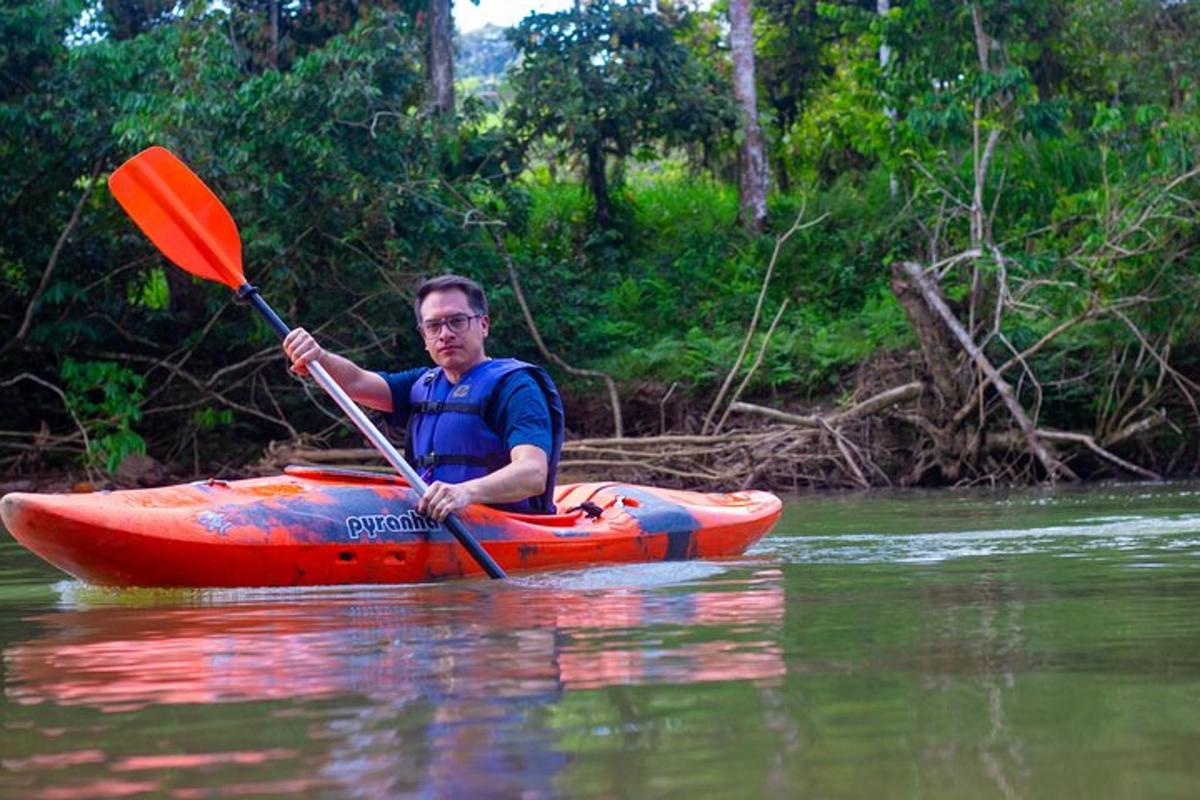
1093 535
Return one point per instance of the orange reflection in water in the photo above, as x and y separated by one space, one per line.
468 664
98 789
466 641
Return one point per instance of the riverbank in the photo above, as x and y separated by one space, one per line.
869 440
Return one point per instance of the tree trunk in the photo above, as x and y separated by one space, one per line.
885 56
783 178
952 444
273 47
941 356
598 184
441 59
752 165
1037 446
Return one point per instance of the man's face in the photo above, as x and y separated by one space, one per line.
454 351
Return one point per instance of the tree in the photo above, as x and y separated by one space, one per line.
605 80
441 59
1132 51
52 158
272 34
752 164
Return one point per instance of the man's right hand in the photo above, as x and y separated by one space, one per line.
302 349
368 388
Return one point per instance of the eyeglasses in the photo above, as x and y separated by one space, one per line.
457 323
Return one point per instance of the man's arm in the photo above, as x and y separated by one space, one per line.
524 477
368 388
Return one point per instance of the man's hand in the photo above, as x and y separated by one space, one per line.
302 349
524 477
443 499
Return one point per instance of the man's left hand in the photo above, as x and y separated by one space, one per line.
443 499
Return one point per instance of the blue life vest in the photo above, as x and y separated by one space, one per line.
448 439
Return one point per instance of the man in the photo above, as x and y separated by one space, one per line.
482 430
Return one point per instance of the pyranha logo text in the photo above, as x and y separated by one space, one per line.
374 524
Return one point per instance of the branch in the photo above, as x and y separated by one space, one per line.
762 295
1183 382
844 448
87 446
762 351
1054 468
646 465
203 386
653 442
1129 431
494 227
872 405
1004 441
27 322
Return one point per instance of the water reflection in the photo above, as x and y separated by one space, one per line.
440 690
398 645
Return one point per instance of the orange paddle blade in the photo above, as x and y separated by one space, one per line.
181 215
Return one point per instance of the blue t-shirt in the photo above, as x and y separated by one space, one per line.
517 411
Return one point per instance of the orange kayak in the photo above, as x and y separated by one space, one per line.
314 526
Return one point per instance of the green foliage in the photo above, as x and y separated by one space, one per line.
1131 52
153 293
209 418
807 354
797 44
676 292
346 191
610 80
106 399
343 191
844 127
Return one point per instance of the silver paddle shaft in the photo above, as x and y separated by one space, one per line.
368 428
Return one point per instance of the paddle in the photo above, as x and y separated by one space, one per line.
192 227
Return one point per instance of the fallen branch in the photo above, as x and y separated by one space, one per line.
647 465
646 441
1091 443
844 448
277 453
1005 441
872 405
87 446
1053 466
1133 429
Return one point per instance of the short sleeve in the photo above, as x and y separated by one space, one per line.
520 414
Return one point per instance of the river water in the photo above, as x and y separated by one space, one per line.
1040 644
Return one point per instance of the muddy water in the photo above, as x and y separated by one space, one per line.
1038 644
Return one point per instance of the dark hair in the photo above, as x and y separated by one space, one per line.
447 283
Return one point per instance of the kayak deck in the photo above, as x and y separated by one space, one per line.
314 526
